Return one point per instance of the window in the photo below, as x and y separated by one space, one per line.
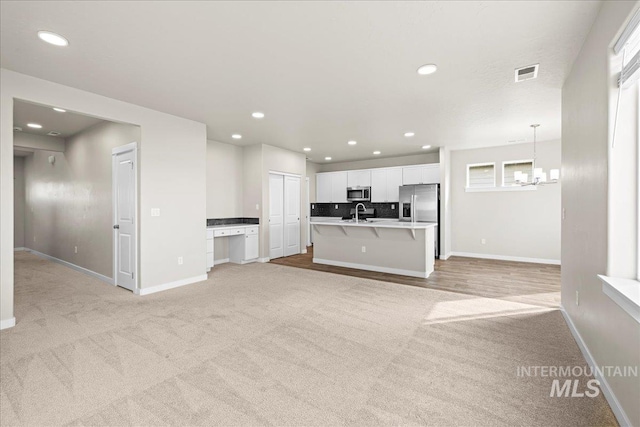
510 168
481 175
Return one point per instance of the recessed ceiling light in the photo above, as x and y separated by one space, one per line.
53 38
352 142
34 125
257 115
409 134
376 152
306 149
59 110
327 158
236 136
427 69
424 147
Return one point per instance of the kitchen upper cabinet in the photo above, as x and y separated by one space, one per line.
331 187
421 174
385 185
339 184
359 178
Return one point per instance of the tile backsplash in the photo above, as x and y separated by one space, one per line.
383 210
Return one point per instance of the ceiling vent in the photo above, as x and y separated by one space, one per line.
17 129
527 73
54 133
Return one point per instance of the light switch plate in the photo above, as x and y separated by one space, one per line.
155 211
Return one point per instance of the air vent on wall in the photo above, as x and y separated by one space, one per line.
527 73
54 133
17 129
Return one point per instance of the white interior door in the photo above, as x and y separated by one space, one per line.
276 216
124 209
291 215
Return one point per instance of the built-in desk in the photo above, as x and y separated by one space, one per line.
243 242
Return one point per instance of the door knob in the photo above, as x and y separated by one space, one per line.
116 227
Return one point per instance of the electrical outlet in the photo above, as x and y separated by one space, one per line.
364 249
564 213
180 260
483 241
577 297
313 206
257 207
393 207
336 206
75 249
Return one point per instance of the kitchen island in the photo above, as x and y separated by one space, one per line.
405 248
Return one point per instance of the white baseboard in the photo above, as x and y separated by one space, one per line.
265 259
304 251
170 285
506 258
19 249
368 267
621 416
445 256
220 261
7 323
72 266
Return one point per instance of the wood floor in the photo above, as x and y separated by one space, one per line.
517 281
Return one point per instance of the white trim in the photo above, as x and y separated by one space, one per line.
624 292
506 258
471 165
295 175
19 249
604 385
265 259
445 256
72 266
220 261
421 274
304 251
509 188
7 323
132 146
170 285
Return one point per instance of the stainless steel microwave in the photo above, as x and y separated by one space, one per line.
359 194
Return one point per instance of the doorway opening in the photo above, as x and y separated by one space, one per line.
65 200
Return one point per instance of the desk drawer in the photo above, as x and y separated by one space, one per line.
228 232
252 230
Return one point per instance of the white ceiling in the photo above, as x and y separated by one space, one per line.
322 72
67 124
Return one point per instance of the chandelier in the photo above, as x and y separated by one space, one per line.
539 176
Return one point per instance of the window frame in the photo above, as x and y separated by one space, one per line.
471 165
511 162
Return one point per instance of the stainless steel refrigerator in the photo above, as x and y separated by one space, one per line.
421 203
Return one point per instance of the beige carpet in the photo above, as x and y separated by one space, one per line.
263 344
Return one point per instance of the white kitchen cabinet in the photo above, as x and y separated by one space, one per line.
385 185
331 187
244 248
360 178
421 174
339 187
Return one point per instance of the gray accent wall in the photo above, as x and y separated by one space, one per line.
588 98
69 203
19 202
523 224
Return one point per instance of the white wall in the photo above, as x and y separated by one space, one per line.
69 203
19 202
385 162
610 334
225 178
172 177
312 169
29 142
523 224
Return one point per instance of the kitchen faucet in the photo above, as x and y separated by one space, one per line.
357 207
